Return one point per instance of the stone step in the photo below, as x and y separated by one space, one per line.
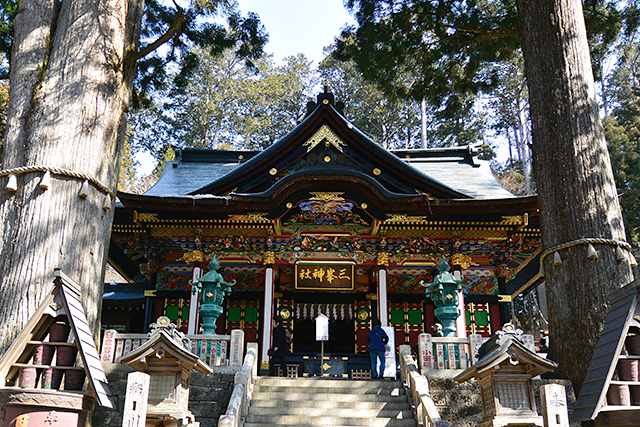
395 391
403 404
303 420
337 397
355 411
325 382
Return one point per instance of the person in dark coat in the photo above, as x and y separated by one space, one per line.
279 348
377 339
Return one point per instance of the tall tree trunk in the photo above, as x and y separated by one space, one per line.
525 152
423 123
71 77
575 183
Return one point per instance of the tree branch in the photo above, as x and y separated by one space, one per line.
172 31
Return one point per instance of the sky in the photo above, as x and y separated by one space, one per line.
295 26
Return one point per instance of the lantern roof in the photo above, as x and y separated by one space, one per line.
506 345
165 341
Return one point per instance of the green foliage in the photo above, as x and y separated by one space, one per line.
8 11
510 176
445 46
226 105
392 121
193 26
622 131
388 120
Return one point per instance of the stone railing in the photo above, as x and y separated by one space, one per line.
418 389
242 390
440 354
214 350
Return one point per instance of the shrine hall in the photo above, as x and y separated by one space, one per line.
324 221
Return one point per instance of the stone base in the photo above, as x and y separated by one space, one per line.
44 407
504 421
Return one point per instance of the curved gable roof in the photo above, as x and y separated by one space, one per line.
450 173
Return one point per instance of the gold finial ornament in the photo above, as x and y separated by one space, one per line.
273 171
383 259
377 171
322 134
268 258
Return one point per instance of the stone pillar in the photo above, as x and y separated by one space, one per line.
383 303
461 321
135 403
554 405
192 329
236 352
267 316
425 350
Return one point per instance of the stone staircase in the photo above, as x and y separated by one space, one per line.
328 402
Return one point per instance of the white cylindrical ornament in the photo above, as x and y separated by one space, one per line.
84 189
619 254
12 185
45 182
106 204
557 260
591 252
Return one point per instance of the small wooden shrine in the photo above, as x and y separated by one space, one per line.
42 375
504 372
610 393
167 358
327 221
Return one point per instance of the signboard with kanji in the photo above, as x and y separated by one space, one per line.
324 275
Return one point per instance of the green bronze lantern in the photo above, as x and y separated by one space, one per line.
213 288
443 291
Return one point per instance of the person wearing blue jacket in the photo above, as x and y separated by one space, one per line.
377 339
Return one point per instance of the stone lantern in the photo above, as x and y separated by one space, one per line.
504 372
443 291
167 358
213 288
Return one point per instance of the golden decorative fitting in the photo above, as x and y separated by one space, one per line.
327 159
289 205
512 220
144 217
327 197
395 218
325 101
277 294
383 259
273 171
372 297
364 206
250 217
240 157
324 133
377 171
192 257
464 261
268 258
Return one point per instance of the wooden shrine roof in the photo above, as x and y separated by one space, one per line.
623 308
444 173
64 299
